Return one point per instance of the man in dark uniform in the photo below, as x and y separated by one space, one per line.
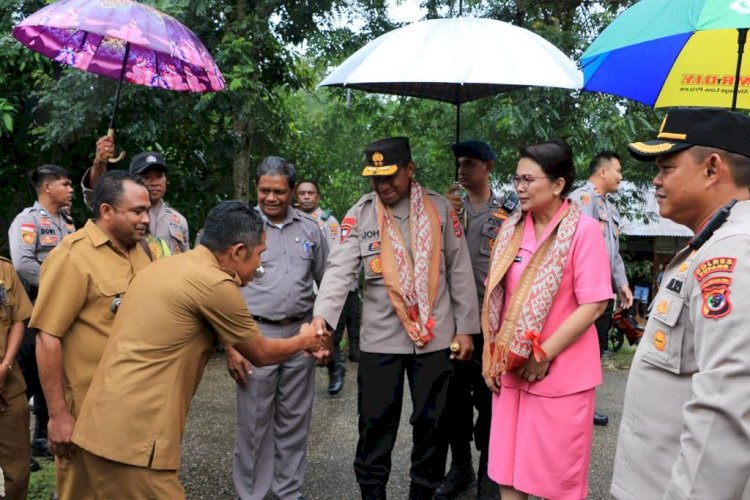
32 236
481 212
419 300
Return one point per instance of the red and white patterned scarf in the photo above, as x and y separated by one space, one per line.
510 340
412 286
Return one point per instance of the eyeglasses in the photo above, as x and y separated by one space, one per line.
525 179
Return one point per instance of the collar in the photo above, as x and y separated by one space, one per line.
529 226
97 236
205 255
591 187
291 215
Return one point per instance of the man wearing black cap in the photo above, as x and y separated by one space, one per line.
685 431
419 303
166 222
481 212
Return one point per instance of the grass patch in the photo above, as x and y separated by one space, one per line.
42 482
621 359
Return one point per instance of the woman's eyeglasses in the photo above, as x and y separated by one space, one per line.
525 179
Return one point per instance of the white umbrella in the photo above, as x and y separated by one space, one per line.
456 60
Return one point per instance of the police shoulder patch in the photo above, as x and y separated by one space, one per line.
714 265
346 227
716 303
458 230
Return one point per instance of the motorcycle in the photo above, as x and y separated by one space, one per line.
624 326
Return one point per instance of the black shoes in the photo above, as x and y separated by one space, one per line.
336 381
600 418
372 492
34 466
459 479
39 449
419 492
487 489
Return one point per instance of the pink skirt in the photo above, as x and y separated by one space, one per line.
542 445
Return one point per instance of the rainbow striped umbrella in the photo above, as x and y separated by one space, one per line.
674 53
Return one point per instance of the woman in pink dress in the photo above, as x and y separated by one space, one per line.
549 280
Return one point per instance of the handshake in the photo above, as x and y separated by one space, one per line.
318 339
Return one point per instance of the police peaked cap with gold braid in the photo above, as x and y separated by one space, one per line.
383 157
685 127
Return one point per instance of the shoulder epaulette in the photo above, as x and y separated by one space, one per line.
326 214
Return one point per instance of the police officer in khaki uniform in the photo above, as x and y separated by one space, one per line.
165 222
95 265
32 236
274 403
15 455
685 431
419 299
308 200
605 174
481 212
132 421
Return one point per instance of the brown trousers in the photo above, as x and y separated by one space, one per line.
15 450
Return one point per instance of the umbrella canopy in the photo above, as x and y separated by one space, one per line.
673 53
122 39
456 60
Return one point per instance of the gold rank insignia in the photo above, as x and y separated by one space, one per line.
660 341
376 266
377 159
662 307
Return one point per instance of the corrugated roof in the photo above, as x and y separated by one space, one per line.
653 225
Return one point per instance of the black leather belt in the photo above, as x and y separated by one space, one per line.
278 322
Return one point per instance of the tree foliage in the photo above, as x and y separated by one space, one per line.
272 54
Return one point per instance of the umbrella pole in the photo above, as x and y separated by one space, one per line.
458 127
741 39
111 130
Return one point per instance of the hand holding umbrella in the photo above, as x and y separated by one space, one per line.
123 40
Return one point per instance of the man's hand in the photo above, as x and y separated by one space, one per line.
465 347
454 197
318 339
626 297
239 367
533 370
59 432
105 149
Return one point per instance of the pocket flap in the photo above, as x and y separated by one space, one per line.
113 288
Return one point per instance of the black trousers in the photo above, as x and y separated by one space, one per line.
381 385
468 391
349 320
603 324
27 363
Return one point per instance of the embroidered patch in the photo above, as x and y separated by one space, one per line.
500 214
660 341
374 246
179 236
458 230
715 265
675 285
662 307
333 228
28 233
716 302
376 266
585 199
49 240
175 218
45 222
346 227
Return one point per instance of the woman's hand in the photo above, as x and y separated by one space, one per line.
492 384
533 370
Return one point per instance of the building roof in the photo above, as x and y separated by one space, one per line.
648 223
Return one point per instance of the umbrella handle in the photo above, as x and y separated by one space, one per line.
111 133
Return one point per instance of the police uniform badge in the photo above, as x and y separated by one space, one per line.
585 199
376 266
346 227
28 233
458 230
660 341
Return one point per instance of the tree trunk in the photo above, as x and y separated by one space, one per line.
241 163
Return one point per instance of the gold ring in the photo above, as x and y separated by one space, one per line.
455 347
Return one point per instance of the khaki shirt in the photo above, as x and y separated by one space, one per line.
169 225
481 228
137 405
92 274
32 236
295 256
685 431
597 206
15 307
455 308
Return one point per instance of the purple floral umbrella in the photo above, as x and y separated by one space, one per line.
123 40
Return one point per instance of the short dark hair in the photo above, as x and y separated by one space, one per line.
46 173
739 164
109 188
232 222
276 165
309 181
600 158
556 159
